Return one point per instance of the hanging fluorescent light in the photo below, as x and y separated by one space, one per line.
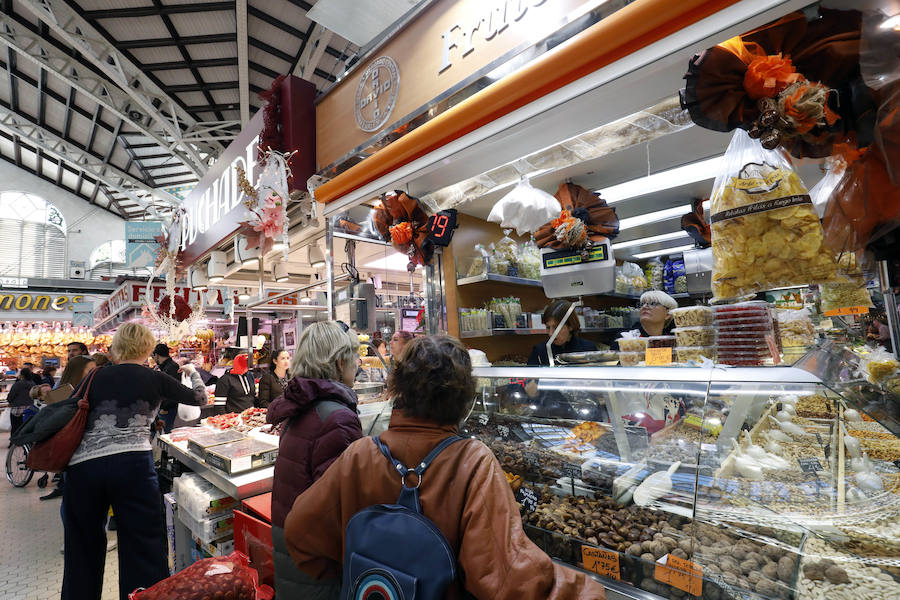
675 250
315 256
280 271
305 300
665 237
654 217
244 295
664 180
243 255
215 270
198 280
392 262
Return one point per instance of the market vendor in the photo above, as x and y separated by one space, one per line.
567 340
655 317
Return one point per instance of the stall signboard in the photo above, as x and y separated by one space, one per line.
131 295
14 282
445 46
214 209
38 302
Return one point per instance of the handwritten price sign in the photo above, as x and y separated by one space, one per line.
658 356
680 573
602 562
847 310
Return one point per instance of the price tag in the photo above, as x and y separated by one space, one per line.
658 356
527 498
680 573
570 470
532 459
810 465
602 562
847 310
503 430
483 419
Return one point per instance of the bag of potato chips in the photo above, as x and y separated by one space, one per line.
765 232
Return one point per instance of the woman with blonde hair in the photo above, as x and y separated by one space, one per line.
318 413
113 466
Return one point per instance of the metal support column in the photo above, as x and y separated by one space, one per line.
329 266
435 301
890 304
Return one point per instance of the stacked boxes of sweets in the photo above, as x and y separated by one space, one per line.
695 336
745 334
796 333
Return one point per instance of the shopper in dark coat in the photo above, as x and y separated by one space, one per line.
19 398
163 360
273 382
237 386
318 412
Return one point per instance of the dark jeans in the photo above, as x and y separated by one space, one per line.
128 483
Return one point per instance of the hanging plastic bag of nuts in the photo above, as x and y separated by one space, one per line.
765 232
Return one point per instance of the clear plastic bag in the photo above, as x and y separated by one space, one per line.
765 232
654 270
478 263
530 261
525 208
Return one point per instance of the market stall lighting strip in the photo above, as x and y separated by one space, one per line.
626 31
665 180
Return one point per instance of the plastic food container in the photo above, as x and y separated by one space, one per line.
661 341
201 444
695 336
630 359
695 353
244 455
209 530
692 316
632 344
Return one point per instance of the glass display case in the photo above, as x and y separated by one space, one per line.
701 482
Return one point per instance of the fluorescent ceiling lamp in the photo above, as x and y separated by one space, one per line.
665 237
244 294
891 23
664 180
654 217
391 262
674 250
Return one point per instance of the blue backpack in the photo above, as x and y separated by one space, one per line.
393 551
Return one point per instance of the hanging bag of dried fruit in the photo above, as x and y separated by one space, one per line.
765 232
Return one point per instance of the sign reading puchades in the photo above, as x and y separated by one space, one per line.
214 209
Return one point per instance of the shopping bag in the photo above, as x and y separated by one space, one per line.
218 577
765 231
5 421
53 454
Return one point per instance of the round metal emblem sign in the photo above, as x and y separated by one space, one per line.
377 93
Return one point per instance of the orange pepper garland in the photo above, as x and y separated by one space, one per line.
401 233
768 76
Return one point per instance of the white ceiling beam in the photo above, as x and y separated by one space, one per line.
157 106
74 73
110 176
240 13
313 52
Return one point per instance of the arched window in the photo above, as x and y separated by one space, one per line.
112 252
33 237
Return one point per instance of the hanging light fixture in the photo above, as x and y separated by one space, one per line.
215 270
280 271
246 257
316 257
244 294
198 280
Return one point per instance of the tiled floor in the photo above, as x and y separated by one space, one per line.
31 535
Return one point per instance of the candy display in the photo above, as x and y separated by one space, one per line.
630 359
242 455
661 341
695 336
695 353
836 296
632 344
692 316
765 231
745 333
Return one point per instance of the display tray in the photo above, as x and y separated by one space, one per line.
241 456
581 358
201 443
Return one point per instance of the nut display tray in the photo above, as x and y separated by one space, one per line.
200 444
240 456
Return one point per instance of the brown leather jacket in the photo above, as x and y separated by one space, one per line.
464 492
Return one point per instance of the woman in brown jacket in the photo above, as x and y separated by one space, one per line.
464 492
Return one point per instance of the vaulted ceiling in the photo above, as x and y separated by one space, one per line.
127 102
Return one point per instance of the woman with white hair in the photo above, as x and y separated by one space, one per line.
319 419
655 317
